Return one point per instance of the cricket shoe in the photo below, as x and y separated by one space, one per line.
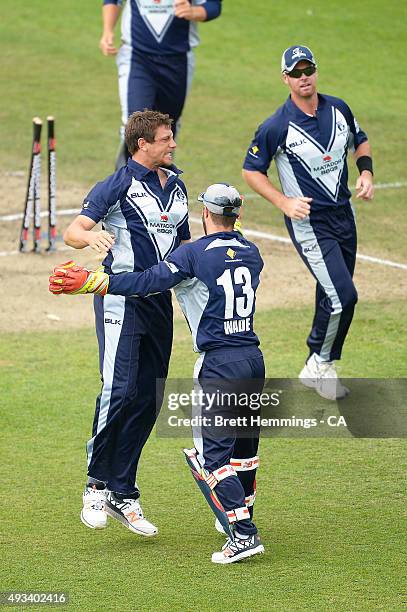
128 511
93 513
238 549
322 376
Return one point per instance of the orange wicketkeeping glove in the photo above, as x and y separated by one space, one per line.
73 279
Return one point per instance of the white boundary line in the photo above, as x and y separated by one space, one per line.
248 232
396 185
63 247
247 196
275 238
44 213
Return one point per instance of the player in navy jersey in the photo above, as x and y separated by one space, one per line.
156 60
309 137
215 280
143 208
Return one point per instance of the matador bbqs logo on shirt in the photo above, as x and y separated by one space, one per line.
163 223
325 163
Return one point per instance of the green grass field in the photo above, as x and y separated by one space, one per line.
329 511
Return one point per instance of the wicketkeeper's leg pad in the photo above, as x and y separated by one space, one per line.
207 481
246 471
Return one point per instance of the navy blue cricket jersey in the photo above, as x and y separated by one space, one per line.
310 152
216 278
150 26
147 221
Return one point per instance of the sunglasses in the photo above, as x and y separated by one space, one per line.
226 202
222 201
298 72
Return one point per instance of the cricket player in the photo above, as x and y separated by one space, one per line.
156 59
144 211
215 280
309 137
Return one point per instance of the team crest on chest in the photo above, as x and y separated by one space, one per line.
179 194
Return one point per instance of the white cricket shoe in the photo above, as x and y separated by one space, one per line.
128 511
238 548
322 376
93 513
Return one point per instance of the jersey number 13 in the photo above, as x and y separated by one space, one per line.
243 306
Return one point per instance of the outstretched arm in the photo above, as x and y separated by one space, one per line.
158 278
74 280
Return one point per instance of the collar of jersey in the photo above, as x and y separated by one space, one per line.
139 171
293 108
223 235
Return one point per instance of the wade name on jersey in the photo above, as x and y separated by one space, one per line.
236 326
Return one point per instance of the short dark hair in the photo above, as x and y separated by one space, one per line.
143 124
223 221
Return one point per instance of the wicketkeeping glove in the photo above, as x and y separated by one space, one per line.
73 279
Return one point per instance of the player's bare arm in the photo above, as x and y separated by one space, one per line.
364 183
184 10
110 15
295 208
80 234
